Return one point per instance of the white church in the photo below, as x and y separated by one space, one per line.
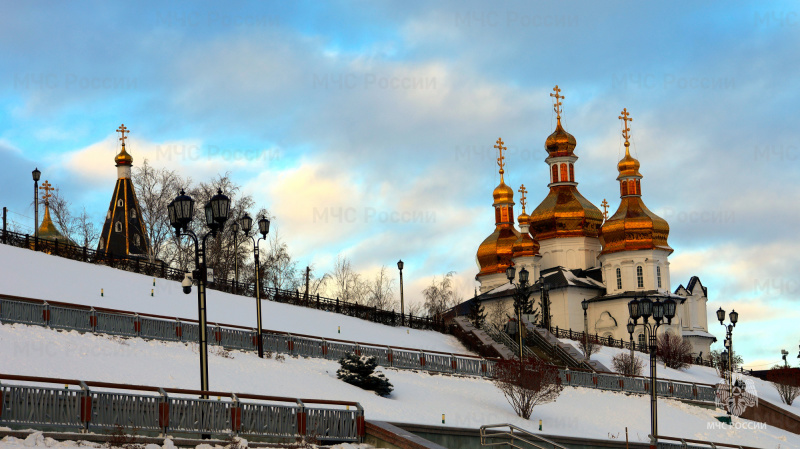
582 254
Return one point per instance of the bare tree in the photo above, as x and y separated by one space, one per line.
786 381
85 231
527 383
674 351
623 364
279 269
440 296
348 285
381 291
61 215
589 345
155 189
497 313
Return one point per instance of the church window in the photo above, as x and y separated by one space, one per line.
638 187
639 277
120 203
108 214
641 340
118 226
631 187
658 275
555 172
133 213
102 245
136 240
619 279
564 175
624 188
571 173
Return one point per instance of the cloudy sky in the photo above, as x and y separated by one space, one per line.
367 127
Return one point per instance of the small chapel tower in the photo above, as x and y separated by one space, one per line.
123 231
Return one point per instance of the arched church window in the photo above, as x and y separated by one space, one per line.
640 339
136 240
564 175
133 213
624 186
619 279
658 275
555 172
639 277
102 245
118 226
638 187
120 203
631 187
571 173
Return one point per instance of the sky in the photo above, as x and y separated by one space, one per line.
366 128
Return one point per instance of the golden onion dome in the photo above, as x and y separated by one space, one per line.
523 219
560 142
123 158
503 193
629 165
634 227
565 213
525 246
496 251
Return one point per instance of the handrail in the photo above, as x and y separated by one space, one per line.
485 436
683 441
496 334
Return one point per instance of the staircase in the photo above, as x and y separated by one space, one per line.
563 354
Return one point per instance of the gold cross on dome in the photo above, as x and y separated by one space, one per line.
500 149
625 117
522 190
558 98
47 187
122 130
605 209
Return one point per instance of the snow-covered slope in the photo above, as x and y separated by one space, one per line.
418 397
37 275
695 373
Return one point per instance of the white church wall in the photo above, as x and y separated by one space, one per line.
570 252
628 262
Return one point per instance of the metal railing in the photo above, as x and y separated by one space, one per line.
42 313
162 270
168 410
501 337
508 435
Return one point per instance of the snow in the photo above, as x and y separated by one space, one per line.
695 373
37 439
418 397
80 283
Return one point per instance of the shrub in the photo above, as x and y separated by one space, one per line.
674 351
786 381
622 364
527 383
589 345
360 371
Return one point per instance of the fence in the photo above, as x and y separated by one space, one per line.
169 410
130 324
162 270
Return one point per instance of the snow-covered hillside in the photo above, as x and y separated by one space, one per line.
40 276
418 397
695 373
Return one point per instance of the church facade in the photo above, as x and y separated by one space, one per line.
582 254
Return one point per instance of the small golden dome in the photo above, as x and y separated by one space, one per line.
560 143
496 251
123 158
629 165
503 193
634 227
524 219
525 246
48 230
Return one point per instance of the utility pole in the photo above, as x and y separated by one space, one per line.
308 274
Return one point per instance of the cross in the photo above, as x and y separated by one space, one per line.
605 209
122 129
522 190
501 159
558 98
625 117
47 187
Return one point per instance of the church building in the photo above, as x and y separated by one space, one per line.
124 233
580 253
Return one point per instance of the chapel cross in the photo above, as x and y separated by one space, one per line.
605 209
558 98
47 187
500 149
625 117
522 190
122 129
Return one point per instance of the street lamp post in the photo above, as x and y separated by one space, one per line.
659 310
181 211
784 354
402 304
631 327
235 231
36 176
734 318
585 307
263 228
521 293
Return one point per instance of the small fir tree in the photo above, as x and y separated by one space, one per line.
477 315
360 371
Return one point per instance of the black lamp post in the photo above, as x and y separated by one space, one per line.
263 229
734 318
522 290
235 230
631 327
36 176
658 310
585 307
181 212
402 304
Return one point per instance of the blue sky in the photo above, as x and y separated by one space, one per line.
367 127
